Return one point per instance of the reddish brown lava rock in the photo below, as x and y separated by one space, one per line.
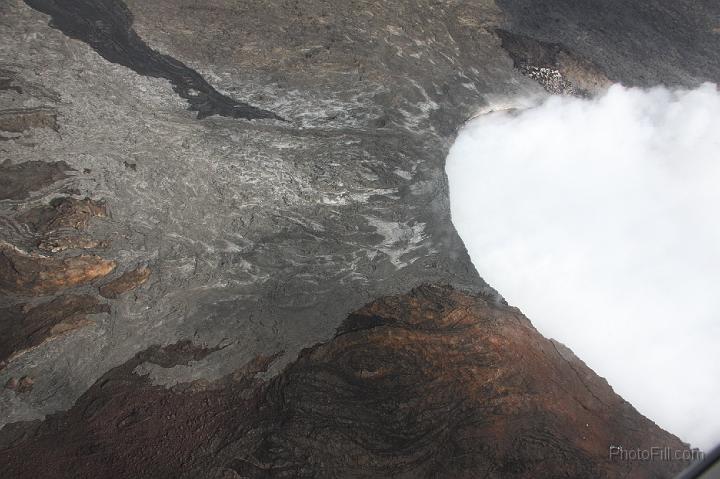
29 274
25 385
63 212
128 281
434 383
56 224
23 327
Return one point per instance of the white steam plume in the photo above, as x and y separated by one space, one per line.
600 219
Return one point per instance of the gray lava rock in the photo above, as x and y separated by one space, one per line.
263 235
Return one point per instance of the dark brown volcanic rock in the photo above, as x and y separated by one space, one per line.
432 383
55 226
63 212
24 326
18 180
34 275
23 385
128 281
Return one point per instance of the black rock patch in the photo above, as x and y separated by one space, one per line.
106 25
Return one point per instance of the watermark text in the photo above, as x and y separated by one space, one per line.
664 453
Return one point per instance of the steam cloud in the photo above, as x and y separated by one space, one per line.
600 219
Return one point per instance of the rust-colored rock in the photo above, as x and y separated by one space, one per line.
23 327
128 281
18 120
29 274
18 180
435 383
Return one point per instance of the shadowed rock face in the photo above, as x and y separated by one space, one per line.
24 326
555 67
431 383
265 238
636 43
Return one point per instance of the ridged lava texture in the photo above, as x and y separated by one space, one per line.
184 298
435 383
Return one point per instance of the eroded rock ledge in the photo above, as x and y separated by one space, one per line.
431 383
